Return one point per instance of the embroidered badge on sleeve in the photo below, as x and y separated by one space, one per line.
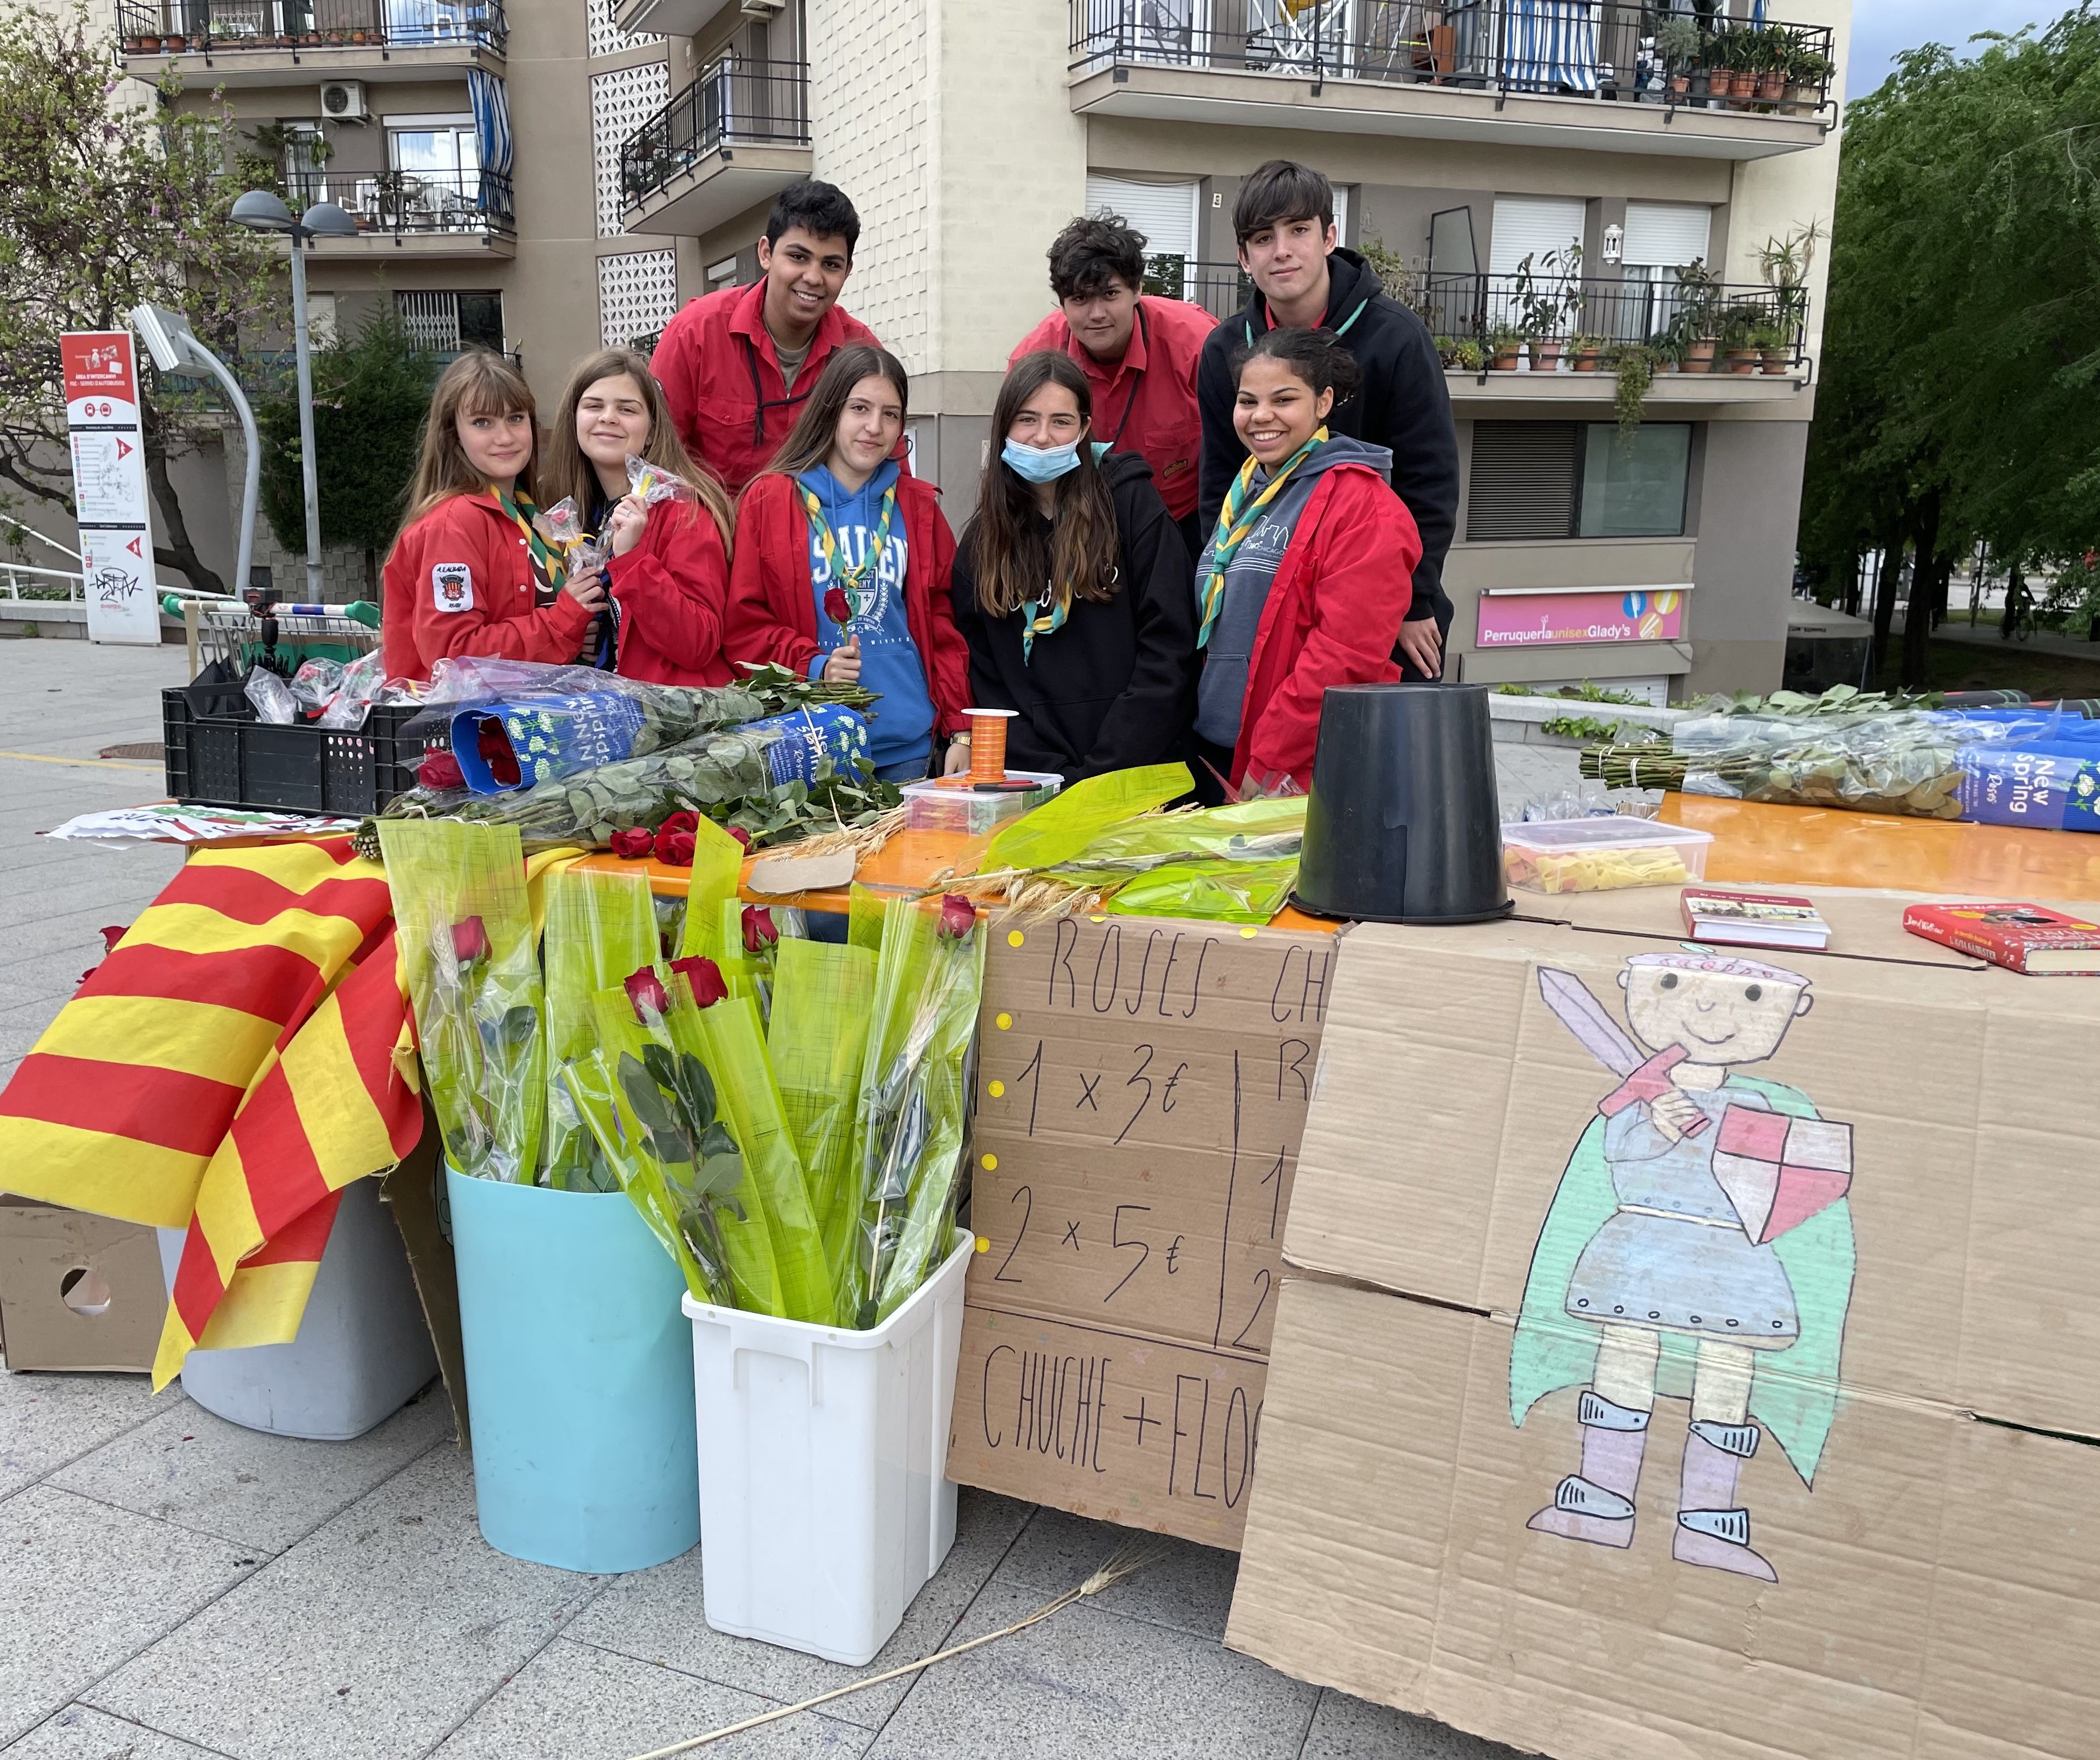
451 586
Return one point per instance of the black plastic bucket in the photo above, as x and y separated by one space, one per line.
1403 825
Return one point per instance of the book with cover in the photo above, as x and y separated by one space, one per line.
2022 937
1754 918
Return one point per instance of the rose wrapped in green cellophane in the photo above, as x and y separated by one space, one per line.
600 927
649 1097
914 1106
465 931
752 935
823 997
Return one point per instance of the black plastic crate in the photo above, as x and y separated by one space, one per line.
219 753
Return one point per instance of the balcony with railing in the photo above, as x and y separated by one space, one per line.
1562 338
737 135
1612 75
266 42
430 213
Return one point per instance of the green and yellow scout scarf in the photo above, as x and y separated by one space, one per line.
852 580
547 565
1238 518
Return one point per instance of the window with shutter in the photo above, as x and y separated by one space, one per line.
1533 226
1667 234
1524 480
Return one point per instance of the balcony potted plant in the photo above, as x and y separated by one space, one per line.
1775 345
1808 73
1634 364
1467 356
1739 350
1545 303
1677 45
1504 341
149 44
1776 45
1585 354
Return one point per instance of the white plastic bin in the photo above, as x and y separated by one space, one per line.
825 1502
363 1349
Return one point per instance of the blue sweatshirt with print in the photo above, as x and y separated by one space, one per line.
901 731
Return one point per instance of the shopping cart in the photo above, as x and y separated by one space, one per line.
241 635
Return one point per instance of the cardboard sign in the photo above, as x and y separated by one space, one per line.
102 426
1142 1090
1637 1422
78 1291
1531 620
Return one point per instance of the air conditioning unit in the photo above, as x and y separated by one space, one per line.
342 100
761 9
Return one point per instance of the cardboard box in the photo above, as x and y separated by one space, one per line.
1478 1502
1141 1092
78 1291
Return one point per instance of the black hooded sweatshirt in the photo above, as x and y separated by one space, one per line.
1401 404
1115 686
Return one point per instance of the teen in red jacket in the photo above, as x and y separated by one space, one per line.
842 567
468 574
1138 354
730 362
1309 575
667 567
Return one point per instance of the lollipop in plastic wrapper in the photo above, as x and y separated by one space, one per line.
651 483
352 701
317 682
271 696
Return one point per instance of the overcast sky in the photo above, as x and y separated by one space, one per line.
1879 28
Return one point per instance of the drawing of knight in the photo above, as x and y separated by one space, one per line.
1699 1246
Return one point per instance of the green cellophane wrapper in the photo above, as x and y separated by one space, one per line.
729 1041
464 925
600 927
1237 864
1063 826
717 867
866 910
650 1097
1221 891
823 998
749 962
913 1111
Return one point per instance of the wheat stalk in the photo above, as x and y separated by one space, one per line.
1131 1557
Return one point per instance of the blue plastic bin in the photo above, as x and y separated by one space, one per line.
579 1377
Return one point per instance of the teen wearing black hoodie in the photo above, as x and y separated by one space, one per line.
1284 220
1071 587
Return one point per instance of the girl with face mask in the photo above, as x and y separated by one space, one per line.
1071 587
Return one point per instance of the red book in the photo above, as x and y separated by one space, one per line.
2021 937
1753 918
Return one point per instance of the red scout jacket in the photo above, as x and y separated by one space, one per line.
1146 403
716 364
773 606
672 589
459 582
1332 617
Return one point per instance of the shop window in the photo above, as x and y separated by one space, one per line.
1577 479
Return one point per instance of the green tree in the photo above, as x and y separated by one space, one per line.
102 205
1961 345
370 394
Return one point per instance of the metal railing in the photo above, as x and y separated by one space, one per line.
410 201
1561 321
735 101
1634 52
149 27
19 581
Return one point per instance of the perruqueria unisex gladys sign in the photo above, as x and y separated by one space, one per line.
1141 1090
1722 1377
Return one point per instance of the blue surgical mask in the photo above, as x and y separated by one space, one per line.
1040 464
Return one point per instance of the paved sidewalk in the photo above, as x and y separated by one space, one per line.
173 1587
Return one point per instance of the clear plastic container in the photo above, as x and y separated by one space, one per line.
942 806
1601 854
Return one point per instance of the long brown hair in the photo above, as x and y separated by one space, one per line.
481 382
565 471
1012 559
808 444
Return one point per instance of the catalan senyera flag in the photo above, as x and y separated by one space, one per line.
239 1058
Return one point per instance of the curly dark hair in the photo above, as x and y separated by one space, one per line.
822 210
1092 249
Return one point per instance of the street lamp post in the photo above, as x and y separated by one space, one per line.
170 341
260 211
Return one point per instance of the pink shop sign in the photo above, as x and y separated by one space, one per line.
1544 619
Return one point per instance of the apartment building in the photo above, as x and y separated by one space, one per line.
475 143
1542 175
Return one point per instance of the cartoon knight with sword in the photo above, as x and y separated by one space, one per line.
1699 1246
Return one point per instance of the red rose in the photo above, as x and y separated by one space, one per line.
739 833
758 928
494 746
675 848
470 940
645 990
680 822
959 916
632 845
440 769
837 606
706 978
